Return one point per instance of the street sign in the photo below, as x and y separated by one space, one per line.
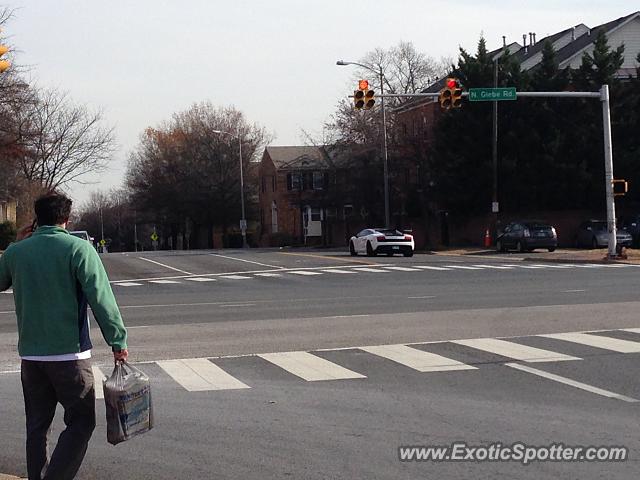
495 207
243 224
154 236
103 242
492 94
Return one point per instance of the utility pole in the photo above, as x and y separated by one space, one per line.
495 206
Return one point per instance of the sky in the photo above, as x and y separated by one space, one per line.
140 61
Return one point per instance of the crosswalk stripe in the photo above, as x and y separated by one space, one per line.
337 270
463 267
199 374
552 266
632 330
514 350
416 359
163 281
403 269
373 270
10 291
235 277
268 274
573 383
529 267
588 265
201 279
426 267
128 284
616 265
98 376
304 272
309 367
496 267
597 341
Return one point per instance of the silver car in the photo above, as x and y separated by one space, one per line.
594 234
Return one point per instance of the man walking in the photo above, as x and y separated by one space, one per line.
54 276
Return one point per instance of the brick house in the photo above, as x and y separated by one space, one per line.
7 211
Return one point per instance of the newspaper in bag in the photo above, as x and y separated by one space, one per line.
127 396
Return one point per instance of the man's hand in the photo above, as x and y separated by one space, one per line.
121 355
24 232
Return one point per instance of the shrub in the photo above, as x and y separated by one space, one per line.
7 234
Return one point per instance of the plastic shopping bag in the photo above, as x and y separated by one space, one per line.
127 396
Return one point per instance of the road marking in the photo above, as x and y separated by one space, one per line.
588 265
163 282
337 270
98 376
237 305
268 274
243 260
496 267
10 291
236 277
552 266
574 291
424 296
572 383
199 374
462 267
514 350
632 330
309 367
372 270
416 359
325 257
403 269
425 267
201 279
606 343
165 266
531 267
128 284
616 265
304 272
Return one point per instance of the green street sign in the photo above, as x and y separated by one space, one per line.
492 94
154 236
103 242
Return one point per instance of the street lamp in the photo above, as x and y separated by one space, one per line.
384 136
243 220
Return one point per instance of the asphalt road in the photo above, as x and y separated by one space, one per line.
386 352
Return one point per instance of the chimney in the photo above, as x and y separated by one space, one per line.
504 41
531 38
534 38
589 31
573 34
524 43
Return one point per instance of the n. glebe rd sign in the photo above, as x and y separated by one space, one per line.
491 94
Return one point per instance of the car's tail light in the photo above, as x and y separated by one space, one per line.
408 238
553 231
527 234
381 238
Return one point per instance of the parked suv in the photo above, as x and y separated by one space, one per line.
595 234
527 236
632 225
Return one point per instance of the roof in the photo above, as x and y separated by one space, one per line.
298 157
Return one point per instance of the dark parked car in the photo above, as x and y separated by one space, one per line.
527 236
594 234
631 224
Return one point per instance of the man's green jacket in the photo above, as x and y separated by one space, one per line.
54 275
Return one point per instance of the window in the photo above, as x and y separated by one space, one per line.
294 181
331 212
273 183
315 215
318 181
347 210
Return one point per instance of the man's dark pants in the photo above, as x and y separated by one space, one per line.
45 384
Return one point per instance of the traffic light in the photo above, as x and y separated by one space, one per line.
451 95
358 99
4 64
620 187
369 99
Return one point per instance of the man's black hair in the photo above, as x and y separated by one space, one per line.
53 208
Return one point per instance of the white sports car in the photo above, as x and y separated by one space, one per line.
373 241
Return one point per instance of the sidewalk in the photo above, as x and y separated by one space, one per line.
564 255
8 477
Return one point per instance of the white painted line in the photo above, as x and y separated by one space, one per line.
632 330
128 284
416 359
616 265
424 296
268 274
574 291
588 265
98 376
425 267
201 279
462 267
372 270
163 282
309 367
572 383
304 272
337 270
243 260
403 269
199 374
165 266
236 277
10 291
496 267
514 350
597 341
530 267
238 305
552 266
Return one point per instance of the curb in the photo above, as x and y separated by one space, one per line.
4 476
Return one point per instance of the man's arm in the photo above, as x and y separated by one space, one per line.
95 284
5 275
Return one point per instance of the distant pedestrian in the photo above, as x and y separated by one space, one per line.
55 276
